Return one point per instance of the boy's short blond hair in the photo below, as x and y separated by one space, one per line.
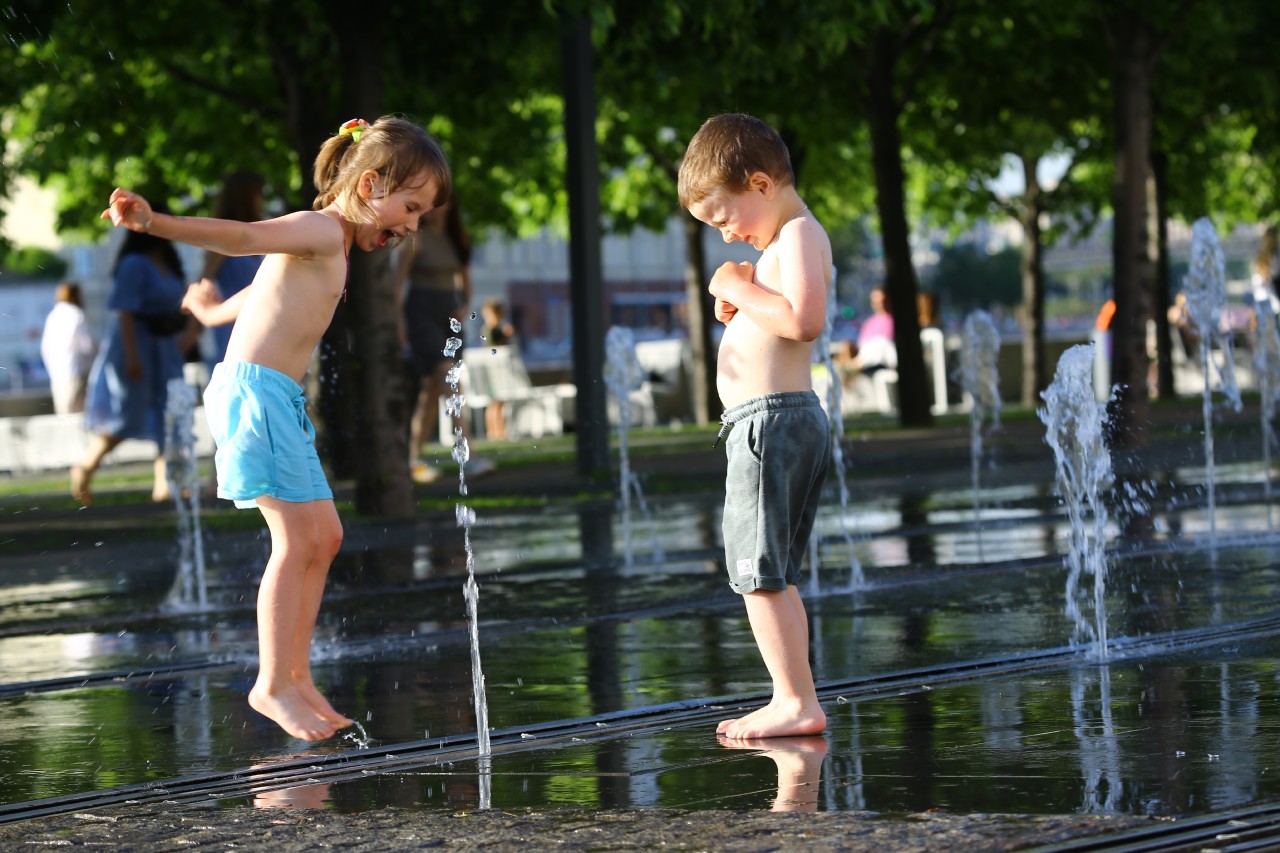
726 151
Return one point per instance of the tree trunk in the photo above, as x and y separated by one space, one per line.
914 394
1163 300
1131 261
377 383
1033 368
700 307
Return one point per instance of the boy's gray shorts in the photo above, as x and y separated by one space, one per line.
779 452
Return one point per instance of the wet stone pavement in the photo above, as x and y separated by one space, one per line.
966 709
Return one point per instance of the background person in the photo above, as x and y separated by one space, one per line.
241 200
67 348
434 276
876 347
497 332
128 386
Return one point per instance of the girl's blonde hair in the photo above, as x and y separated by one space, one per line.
397 149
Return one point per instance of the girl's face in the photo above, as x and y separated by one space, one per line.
398 212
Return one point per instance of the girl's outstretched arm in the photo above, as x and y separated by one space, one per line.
303 234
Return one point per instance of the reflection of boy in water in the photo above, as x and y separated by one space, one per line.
799 763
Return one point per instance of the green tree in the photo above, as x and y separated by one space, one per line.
968 277
1019 103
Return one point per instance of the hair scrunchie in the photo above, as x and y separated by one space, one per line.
355 127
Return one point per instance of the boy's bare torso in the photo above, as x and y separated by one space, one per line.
289 306
753 361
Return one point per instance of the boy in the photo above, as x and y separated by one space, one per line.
736 177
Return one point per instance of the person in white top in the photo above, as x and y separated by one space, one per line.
67 348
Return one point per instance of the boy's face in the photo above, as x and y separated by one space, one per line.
399 211
746 217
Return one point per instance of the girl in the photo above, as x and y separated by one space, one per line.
375 182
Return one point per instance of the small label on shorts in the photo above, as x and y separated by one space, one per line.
745 568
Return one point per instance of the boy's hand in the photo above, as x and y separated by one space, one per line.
201 297
722 284
730 274
128 209
725 311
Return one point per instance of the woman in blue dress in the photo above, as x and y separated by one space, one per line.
142 352
241 199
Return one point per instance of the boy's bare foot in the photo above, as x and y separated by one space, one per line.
776 720
292 713
80 485
321 706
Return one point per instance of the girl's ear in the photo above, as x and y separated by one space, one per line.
368 184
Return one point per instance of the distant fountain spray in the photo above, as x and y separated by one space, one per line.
623 374
1266 364
454 406
1075 419
980 378
1205 286
182 470
835 417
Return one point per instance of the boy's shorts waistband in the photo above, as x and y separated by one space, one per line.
770 402
257 373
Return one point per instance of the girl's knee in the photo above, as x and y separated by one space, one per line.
330 540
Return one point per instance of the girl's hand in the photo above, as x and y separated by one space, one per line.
128 209
133 369
201 297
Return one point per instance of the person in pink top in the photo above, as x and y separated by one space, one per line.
876 349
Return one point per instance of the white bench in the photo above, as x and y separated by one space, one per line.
498 374
51 442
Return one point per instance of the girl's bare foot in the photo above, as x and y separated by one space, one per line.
80 485
777 720
321 706
292 713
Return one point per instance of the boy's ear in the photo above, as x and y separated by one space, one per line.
762 183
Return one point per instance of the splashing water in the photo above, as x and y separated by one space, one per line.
835 417
623 374
1266 364
361 740
980 378
1205 286
466 517
183 473
1075 420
